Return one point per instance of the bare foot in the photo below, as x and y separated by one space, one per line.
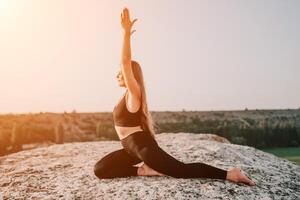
236 175
145 170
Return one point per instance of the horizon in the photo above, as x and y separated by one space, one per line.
183 110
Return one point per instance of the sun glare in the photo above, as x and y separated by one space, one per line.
5 5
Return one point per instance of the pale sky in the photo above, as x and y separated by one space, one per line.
60 55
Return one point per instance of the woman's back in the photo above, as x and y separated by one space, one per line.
125 121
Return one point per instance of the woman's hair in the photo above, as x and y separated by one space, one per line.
146 119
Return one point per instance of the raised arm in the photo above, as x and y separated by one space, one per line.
130 81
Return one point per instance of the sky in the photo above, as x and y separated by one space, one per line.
196 55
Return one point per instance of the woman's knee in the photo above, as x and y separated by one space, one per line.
147 154
101 170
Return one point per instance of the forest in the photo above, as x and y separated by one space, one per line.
257 128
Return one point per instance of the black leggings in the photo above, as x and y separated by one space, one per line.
141 147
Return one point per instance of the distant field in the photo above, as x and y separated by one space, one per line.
290 153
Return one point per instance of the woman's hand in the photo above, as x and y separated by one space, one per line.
125 21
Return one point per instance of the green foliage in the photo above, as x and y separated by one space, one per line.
4 142
59 134
106 131
219 114
250 121
16 137
290 153
33 133
88 128
239 140
258 128
259 135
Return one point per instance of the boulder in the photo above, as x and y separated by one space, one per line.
65 171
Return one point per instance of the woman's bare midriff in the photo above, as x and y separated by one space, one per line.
123 132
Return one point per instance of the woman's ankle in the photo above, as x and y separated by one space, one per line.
140 171
227 174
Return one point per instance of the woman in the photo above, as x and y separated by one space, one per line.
133 125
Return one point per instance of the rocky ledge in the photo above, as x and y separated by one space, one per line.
66 172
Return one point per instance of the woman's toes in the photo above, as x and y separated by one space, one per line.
247 180
251 182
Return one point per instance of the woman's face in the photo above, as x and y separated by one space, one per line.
120 78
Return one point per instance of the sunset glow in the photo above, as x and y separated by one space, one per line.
201 55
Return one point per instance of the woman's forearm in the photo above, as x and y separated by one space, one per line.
126 50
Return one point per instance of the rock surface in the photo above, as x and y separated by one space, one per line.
66 172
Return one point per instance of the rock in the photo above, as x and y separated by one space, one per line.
65 171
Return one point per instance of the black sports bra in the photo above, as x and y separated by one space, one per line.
122 117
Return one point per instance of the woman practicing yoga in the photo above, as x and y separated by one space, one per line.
133 125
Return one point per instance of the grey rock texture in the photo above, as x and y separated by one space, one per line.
66 172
